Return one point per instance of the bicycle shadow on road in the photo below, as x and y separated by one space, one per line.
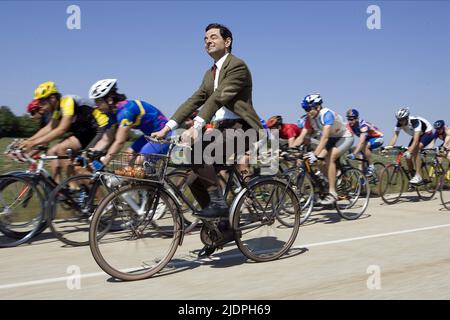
35 241
404 199
220 259
328 217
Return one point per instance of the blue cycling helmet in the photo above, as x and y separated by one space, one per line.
352 113
439 124
312 100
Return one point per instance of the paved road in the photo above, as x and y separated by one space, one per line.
392 252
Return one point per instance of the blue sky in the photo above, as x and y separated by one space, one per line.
292 48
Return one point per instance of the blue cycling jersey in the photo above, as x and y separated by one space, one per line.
140 115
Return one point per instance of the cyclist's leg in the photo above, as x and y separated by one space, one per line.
409 162
55 164
61 150
341 146
331 164
424 141
372 144
70 143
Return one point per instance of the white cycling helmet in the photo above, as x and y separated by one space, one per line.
402 113
101 88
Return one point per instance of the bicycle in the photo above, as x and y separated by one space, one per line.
395 177
254 209
351 185
22 198
442 171
71 204
372 177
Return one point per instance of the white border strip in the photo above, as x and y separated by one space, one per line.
186 263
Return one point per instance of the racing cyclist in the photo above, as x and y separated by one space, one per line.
335 139
422 136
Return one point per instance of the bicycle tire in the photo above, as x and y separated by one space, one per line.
392 184
444 188
250 200
68 217
430 184
353 191
374 181
14 225
103 248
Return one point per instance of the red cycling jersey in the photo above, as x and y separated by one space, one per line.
289 130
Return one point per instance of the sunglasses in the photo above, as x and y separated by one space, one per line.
43 101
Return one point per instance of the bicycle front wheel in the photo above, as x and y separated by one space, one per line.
353 191
259 234
21 210
392 184
151 230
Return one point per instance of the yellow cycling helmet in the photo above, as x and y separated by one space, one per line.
45 89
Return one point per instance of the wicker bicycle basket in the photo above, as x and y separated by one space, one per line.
139 166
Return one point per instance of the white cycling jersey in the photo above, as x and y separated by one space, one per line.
339 128
415 124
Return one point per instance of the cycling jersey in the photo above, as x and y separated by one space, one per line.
87 121
367 129
289 130
85 116
415 124
141 115
339 128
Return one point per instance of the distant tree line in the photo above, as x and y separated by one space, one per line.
16 126
24 126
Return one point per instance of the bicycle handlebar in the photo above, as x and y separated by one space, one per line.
172 141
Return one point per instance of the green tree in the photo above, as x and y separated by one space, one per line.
27 126
8 122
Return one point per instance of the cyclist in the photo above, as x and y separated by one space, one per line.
69 113
335 139
442 132
370 138
287 131
127 115
38 114
422 136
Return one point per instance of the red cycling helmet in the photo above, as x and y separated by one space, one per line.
33 106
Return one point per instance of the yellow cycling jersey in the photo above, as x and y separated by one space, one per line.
83 112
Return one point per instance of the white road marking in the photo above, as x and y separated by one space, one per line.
199 261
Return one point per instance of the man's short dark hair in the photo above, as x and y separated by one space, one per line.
224 32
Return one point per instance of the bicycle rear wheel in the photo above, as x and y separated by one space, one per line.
70 206
259 234
444 187
375 179
21 210
353 191
179 179
392 184
430 175
139 249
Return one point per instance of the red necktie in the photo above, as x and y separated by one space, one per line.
213 69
